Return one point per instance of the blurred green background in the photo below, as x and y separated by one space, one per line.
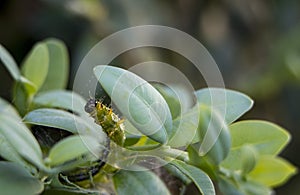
256 45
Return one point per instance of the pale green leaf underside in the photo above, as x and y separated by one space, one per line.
139 182
138 101
16 180
200 178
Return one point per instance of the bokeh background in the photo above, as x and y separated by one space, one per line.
256 45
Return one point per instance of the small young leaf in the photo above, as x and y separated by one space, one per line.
20 99
16 180
201 180
266 137
138 182
74 147
248 158
35 67
272 171
18 136
231 103
241 159
58 70
9 62
60 99
138 101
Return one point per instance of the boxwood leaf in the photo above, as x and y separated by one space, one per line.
35 66
200 178
138 101
185 127
16 180
7 109
231 103
266 137
138 182
58 71
20 137
59 119
230 186
74 147
241 159
272 171
60 99
213 134
9 62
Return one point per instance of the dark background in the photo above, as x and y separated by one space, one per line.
256 45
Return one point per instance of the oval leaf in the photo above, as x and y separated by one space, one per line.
74 147
61 99
214 136
138 182
20 137
266 137
35 67
272 171
185 127
241 159
9 62
58 70
138 101
7 109
58 119
16 180
200 178
231 103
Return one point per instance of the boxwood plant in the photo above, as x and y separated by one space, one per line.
53 140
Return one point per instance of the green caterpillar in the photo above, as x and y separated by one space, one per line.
111 124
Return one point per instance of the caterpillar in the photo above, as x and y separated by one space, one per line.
111 124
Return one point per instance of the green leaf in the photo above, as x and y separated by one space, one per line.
228 187
201 180
177 173
214 136
171 98
35 66
254 188
9 62
138 182
241 159
20 97
138 101
185 127
8 109
178 98
16 180
248 158
205 163
272 171
74 147
20 137
231 186
266 137
60 99
229 103
59 119
58 71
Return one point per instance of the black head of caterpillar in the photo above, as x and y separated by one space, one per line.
111 124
